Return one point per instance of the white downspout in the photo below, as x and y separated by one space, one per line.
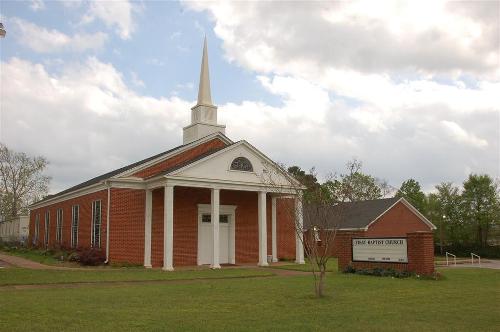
107 224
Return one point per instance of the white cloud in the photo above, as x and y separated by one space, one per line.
409 87
85 120
37 5
43 40
462 136
115 14
136 80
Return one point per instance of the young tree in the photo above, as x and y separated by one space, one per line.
21 181
412 192
317 212
481 204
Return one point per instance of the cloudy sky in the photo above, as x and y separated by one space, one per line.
411 89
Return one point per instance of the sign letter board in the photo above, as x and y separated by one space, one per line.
387 250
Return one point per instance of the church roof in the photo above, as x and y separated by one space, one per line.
126 168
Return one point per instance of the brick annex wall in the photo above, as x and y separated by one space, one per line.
84 226
186 202
126 228
213 145
285 228
420 253
398 221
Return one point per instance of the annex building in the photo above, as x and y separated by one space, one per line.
204 202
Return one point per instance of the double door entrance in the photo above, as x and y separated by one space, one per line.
226 235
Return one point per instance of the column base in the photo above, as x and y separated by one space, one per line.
263 264
148 266
165 268
215 267
300 262
275 260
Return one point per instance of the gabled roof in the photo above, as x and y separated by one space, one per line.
136 165
360 215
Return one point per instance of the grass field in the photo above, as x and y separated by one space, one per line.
464 300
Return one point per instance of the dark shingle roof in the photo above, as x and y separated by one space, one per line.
360 214
108 175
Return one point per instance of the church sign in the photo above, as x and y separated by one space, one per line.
387 250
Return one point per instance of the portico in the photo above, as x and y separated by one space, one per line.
231 224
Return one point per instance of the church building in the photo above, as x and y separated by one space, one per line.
205 202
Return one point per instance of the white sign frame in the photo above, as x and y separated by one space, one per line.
380 250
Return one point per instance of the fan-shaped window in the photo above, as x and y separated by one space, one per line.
242 164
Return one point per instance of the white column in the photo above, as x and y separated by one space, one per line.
168 228
299 235
215 202
273 229
262 229
147 228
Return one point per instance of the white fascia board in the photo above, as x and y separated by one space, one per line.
412 209
174 153
73 194
234 146
128 183
227 185
418 214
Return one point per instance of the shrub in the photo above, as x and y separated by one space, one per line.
91 257
379 272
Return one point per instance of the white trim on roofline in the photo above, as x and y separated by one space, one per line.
226 185
174 153
128 183
412 209
233 146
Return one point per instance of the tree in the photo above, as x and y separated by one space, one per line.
321 214
480 205
21 181
355 185
412 192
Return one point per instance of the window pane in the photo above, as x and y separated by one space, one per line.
206 218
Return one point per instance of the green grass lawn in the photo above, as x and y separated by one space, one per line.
465 300
330 267
18 276
39 256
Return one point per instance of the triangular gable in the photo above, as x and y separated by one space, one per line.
217 167
177 157
411 208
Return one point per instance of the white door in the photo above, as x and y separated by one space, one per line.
206 238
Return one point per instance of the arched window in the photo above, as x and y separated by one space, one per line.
241 164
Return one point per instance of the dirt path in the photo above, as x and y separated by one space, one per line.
23 262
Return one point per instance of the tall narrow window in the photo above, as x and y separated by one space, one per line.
96 224
47 228
59 225
75 218
37 229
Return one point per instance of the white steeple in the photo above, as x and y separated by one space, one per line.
204 114
204 95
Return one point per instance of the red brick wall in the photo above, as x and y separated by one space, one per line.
157 228
215 144
398 221
84 227
126 228
420 253
285 228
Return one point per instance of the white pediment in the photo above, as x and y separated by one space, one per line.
218 167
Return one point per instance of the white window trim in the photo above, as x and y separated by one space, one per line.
46 239
92 222
223 209
59 225
74 239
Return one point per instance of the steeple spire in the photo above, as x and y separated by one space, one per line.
204 95
204 114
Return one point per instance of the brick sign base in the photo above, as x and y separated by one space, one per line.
420 253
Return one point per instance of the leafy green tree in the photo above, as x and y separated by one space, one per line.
354 185
480 206
412 192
